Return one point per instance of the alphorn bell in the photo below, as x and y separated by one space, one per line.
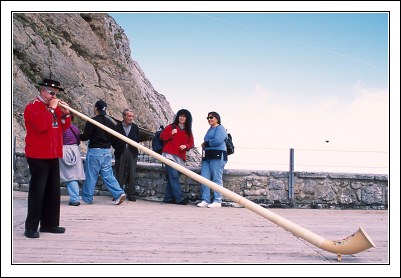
355 243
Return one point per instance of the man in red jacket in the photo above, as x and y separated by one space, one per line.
45 123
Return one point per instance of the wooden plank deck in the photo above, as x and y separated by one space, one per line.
148 232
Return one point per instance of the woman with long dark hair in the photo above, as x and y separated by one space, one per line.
178 139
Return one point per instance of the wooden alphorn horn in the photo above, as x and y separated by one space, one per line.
355 243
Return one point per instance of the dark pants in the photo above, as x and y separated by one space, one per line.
44 193
126 170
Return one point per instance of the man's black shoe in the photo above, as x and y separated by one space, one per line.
169 202
74 204
54 230
31 234
183 202
131 198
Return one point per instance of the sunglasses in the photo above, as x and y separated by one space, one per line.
209 118
51 92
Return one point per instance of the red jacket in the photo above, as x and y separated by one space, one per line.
173 142
44 133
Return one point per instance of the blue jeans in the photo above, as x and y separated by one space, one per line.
212 169
173 188
73 191
98 161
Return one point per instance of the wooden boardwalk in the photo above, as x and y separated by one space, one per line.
149 232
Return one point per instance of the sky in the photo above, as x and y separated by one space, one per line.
316 82
279 80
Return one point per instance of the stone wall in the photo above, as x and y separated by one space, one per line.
267 188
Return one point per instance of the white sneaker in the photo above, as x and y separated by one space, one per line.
214 205
120 199
203 204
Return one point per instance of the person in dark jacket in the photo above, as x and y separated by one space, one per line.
126 155
98 157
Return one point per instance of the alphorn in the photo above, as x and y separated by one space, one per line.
355 243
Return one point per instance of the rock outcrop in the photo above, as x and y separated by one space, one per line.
89 54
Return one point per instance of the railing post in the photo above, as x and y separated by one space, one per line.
291 176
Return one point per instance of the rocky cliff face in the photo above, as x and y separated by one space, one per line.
90 55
